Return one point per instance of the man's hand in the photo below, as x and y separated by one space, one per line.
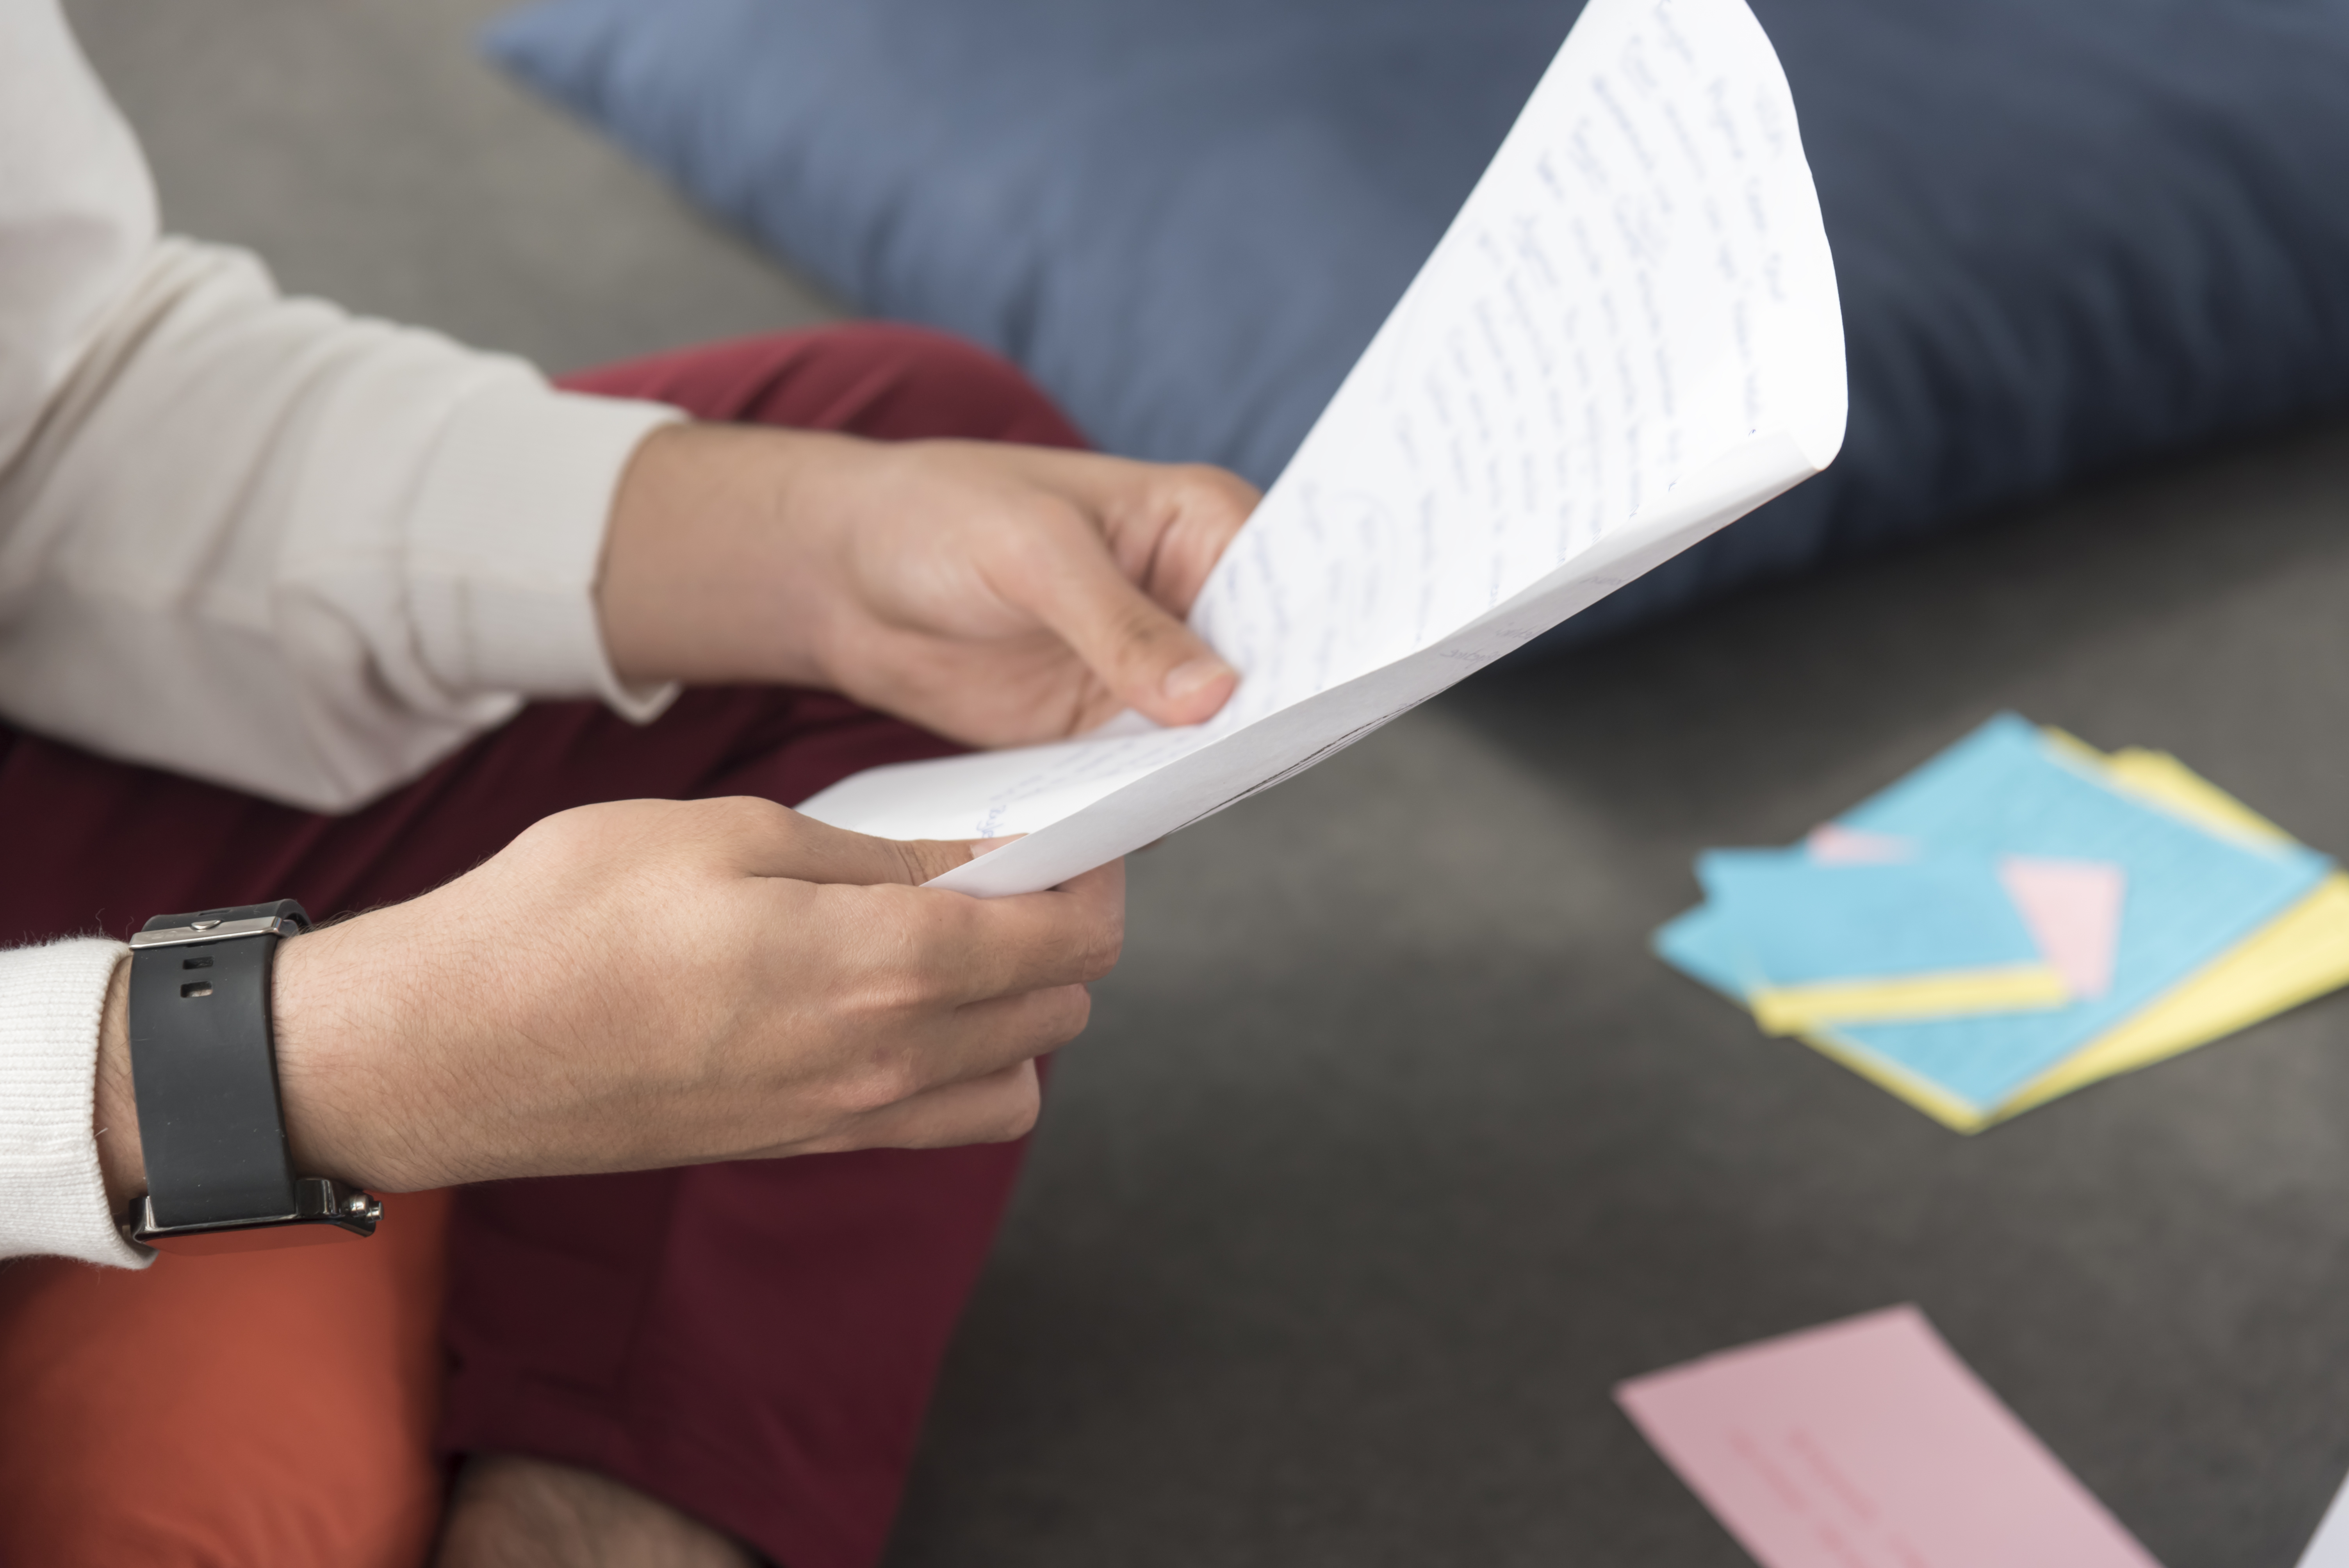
998 595
653 983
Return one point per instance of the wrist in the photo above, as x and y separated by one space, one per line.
705 576
322 1023
311 1099
114 1108
332 1039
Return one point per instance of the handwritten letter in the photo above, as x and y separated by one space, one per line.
1627 338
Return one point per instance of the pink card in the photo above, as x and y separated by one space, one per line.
1868 1444
2074 911
1833 844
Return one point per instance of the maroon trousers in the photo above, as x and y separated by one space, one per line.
756 1342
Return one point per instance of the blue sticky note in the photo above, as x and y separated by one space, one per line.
2007 790
1793 921
1701 944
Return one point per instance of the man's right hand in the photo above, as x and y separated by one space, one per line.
653 983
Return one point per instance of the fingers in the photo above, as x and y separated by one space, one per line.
771 840
981 1038
1152 661
1069 935
1169 523
1202 510
921 948
995 1108
992 1109
947 947
1116 580
960 949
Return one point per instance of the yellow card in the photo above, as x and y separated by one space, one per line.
2008 988
2302 955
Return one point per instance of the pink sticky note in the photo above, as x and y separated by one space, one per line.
1868 1444
2073 908
1833 844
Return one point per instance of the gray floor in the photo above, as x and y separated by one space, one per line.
1392 1150
360 148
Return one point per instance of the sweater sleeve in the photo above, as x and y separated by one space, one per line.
255 539
52 1199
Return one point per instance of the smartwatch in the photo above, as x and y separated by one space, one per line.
204 1070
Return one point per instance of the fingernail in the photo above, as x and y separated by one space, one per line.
1194 675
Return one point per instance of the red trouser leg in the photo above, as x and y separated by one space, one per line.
754 1342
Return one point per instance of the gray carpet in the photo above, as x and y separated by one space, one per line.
1391 1149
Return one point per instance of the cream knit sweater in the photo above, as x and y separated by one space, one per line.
247 537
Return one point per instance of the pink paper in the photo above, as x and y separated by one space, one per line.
2074 911
1833 844
1868 1444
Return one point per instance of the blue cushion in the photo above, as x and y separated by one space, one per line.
2069 233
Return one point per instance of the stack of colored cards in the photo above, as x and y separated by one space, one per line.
2020 917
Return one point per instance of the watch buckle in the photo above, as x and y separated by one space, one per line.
323 1211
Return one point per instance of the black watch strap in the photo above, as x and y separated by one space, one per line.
203 1067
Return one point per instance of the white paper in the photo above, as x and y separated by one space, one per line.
1627 338
2330 1549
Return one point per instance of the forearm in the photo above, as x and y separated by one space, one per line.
798 991
268 544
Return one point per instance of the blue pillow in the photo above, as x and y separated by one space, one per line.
2069 233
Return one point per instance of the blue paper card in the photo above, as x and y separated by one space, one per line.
2007 790
1795 922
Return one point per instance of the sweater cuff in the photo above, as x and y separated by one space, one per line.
52 1197
507 538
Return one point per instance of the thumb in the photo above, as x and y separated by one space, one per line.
1153 662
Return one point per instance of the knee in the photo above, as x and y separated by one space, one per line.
255 1409
893 381
886 380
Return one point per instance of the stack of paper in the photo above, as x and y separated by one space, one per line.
1627 338
2020 916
